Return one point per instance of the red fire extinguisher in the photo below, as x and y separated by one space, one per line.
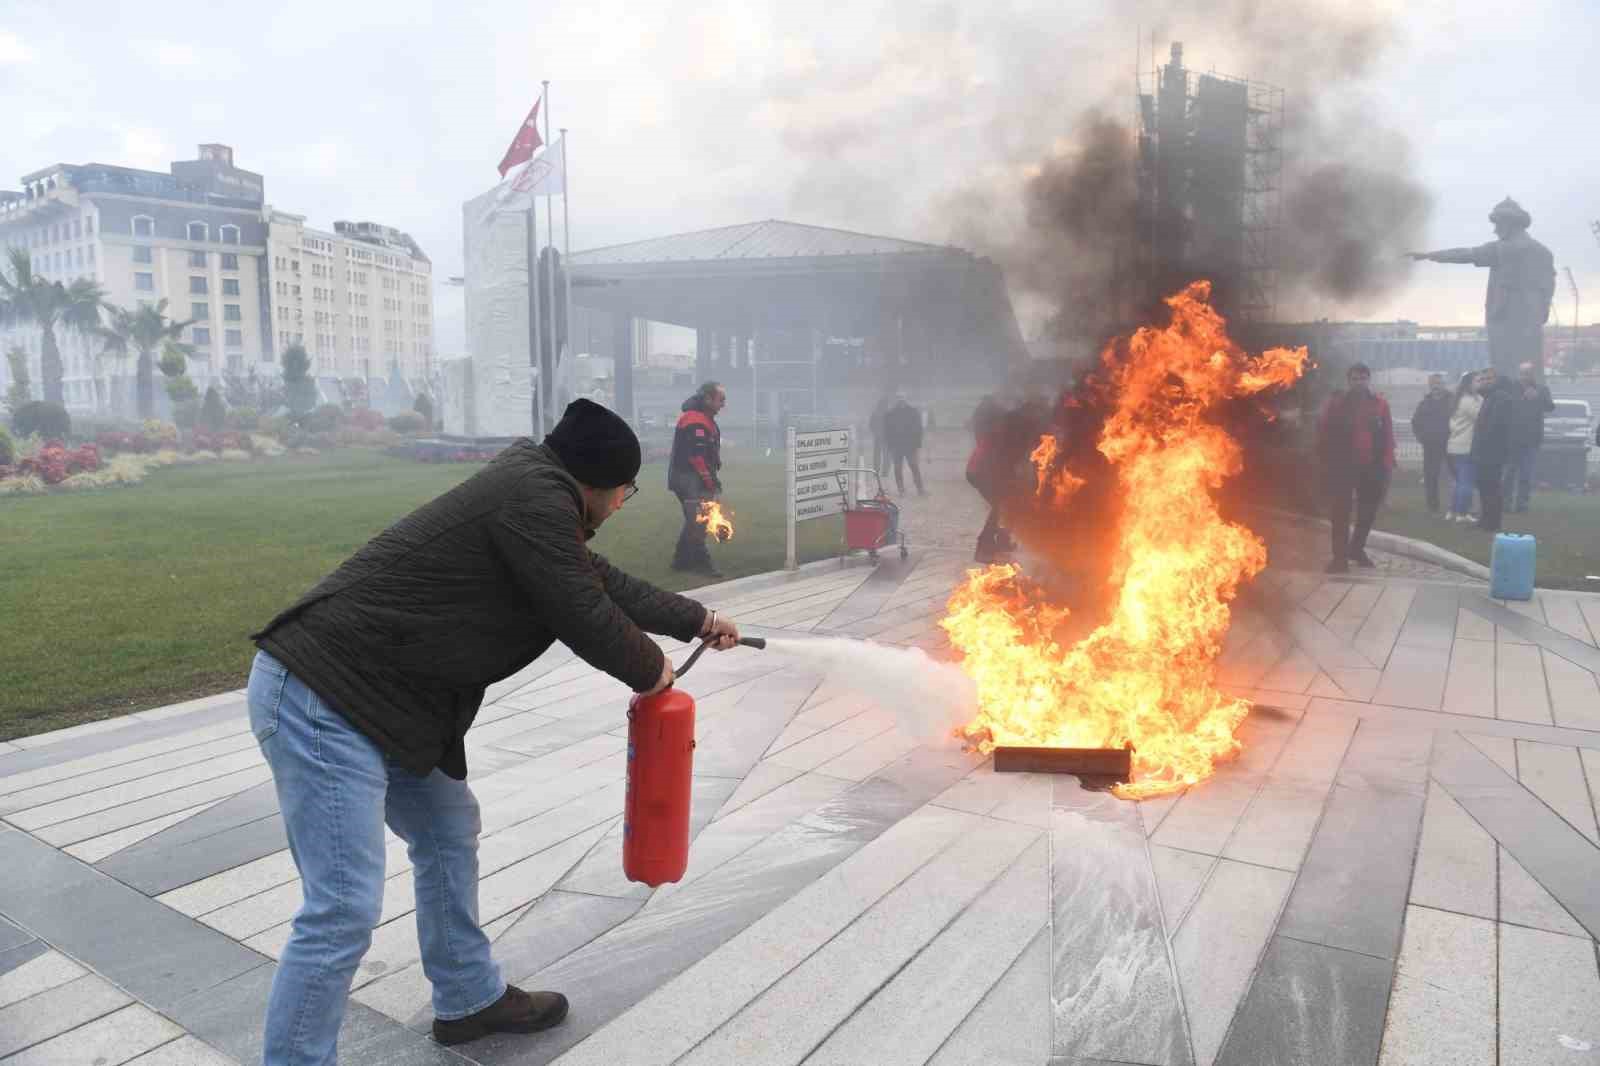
655 818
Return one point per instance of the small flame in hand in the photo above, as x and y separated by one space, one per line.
718 522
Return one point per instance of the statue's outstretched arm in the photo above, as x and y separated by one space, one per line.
1483 255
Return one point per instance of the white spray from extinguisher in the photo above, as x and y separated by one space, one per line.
930 699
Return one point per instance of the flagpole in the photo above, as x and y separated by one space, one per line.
566 255
550 276
535 380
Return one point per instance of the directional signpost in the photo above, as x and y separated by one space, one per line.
817 485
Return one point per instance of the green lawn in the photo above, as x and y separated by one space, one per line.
1567 527
131 598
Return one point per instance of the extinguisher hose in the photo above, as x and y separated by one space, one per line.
748 642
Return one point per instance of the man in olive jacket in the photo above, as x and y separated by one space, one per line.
362 693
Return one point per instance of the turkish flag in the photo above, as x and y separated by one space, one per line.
525 143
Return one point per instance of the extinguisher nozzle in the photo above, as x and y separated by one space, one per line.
753 642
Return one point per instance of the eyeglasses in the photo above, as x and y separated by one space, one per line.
629 492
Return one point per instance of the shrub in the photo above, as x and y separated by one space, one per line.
325 419
45 419
186 413
8 448
365 418
227 440
56 462
424 407
165 434
212 413
408 422
243 419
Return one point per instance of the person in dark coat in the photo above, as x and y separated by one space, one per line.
875 427
1530 402
902 436
1430 424
694 473
985 466
1356 442
362 692
1491 447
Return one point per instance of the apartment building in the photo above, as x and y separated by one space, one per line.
194 236
360 299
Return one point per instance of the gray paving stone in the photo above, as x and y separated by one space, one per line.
1414 677
1276 829
1574 651
1387 757
1470 683
42 1016
1179 876
682 1006
1011 1026
618 968
38 970
791 1020
1549 989
1557 855
15 957
1524 901
230 1017
868 597
1574 693
1217 948
1520 693
1431 622
116 740
742 737
152 951
11 936
1455 868
239 829
111 1040
1310 1005
1377 636
1555 775
1112 984
185 1051
1442 1007
1352 888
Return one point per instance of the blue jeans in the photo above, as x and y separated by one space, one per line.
1519 477
336 790
1466 477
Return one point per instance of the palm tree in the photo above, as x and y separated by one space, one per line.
26 297
143 331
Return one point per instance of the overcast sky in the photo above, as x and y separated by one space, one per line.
874 117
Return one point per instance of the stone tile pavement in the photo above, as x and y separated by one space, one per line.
1403 867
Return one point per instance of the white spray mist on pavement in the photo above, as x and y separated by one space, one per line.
930 699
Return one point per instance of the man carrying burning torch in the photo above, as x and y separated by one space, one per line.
362 693
692 473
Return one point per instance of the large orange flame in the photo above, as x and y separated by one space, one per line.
717 520
1147 674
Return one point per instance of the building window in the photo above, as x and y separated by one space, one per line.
144 282
230 313
202 336
91 255
77 229
294 264
230 261
199 312
144 226
234 338
77 258
197 286
199 231
197 259
230 286
141 253
88 225
229 234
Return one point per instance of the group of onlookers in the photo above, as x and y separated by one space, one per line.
1487 433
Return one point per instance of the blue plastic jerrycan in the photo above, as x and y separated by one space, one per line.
1511 564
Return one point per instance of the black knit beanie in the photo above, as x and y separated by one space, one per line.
597 446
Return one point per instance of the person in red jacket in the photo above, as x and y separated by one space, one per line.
693 473
1355 439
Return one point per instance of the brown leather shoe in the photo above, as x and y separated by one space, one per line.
515 1012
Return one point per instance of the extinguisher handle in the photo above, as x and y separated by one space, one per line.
748 642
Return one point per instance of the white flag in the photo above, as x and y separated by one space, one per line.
540 176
